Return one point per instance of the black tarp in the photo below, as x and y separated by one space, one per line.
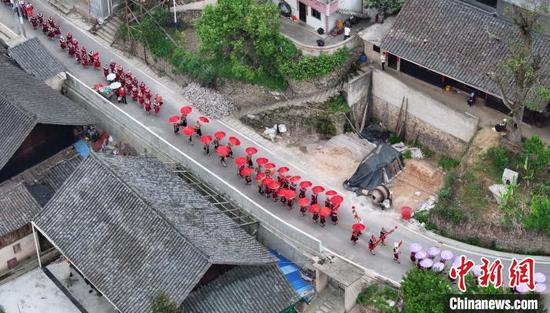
370 172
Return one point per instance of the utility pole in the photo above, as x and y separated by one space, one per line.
19 17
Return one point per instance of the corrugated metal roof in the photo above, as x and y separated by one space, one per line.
243 289
456 39
33 57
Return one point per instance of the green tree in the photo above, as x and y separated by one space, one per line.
161 303
243 32
520 78
384 6
424 291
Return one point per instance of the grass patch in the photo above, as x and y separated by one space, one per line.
393 139
377 295
322 124
407 154
475 194
336 104
426 152
448 164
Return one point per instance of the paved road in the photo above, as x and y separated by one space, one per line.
335 239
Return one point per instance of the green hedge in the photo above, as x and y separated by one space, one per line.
309 67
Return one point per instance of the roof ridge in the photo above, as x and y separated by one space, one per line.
136 192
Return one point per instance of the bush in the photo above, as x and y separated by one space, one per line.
393 139
407 154
378 296
498 159
448 164
336 104
424 291
309 67
539 217
536 159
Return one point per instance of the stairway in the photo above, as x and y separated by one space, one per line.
107 31
62 5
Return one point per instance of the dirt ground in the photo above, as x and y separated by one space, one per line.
419 180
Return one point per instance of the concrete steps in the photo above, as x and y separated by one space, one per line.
62 5
107 31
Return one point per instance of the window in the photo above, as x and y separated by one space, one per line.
17 248
316 14
376 48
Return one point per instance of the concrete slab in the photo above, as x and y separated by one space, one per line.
34 292
337 269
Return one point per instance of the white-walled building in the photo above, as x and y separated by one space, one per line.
321 13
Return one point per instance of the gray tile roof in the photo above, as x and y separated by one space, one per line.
243 289
118 241
25 102
17 207
58 174
457 40
196 218
33 57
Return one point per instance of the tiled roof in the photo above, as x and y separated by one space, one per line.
243 289
25 102
456 39
213 232
17 207
118 241
33 57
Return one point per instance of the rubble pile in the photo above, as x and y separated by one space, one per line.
208 101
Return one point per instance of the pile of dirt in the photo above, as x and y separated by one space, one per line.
419 180
483 141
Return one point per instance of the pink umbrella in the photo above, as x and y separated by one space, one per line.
324 211
219 135
186 109
269 166
188 131
274 185
303 202
260 176
318 189
540 288
222 151
426 263
267 181
331 193
206 139
415 247
282 170
358 227
305 184
290 194
540 277
336 200
174 119
294 179
246 171
234 141
262 161
446 255
314 208
204 119
240 161
281 192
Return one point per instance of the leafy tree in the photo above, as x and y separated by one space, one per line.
424 291
519 78
384 6
243 32
161 303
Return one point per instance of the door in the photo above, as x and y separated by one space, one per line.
302 8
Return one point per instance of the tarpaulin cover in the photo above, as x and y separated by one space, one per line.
370 172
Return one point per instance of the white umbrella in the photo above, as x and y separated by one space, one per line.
522 288
426 263
115 85
420 255
476 271
446 255
433 252
111 77
438 267
415 247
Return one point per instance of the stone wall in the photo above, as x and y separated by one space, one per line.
436 125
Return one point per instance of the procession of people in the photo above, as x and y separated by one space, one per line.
272 181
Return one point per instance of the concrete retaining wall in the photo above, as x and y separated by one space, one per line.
125 128
350 43
432 122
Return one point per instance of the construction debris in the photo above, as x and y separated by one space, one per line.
208 101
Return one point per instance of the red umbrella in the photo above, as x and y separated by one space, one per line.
234 141
303 202
331 193
305 184
260 176
188 131
262 161
219 135
281 192
294 179
267 181
251 150
186 109
240 161
337 200
324 212
406 212
274 185
270 166
314 208
204 119
174 119
222 151
246 171
358 226
282 170
206 139
318 189
290 194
